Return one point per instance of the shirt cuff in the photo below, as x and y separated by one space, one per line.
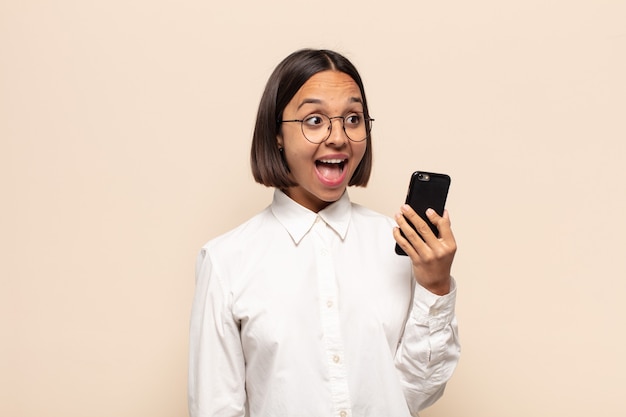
437 311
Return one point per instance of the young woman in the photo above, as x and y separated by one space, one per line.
305 309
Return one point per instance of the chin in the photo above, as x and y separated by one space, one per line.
332 196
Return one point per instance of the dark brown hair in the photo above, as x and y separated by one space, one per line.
268 166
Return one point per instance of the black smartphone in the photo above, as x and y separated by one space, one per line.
427 190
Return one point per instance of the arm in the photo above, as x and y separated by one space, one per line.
429 350
216 362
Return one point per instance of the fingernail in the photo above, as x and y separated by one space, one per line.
430 212
405 207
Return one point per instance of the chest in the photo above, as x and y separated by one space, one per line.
287 291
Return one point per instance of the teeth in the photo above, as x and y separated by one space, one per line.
331 161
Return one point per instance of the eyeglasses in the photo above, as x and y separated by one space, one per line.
317 127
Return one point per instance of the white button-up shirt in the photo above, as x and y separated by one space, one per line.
299 313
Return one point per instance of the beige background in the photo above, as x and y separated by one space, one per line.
124 136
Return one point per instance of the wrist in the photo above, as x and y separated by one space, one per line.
438 288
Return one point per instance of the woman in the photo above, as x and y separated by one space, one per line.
305 309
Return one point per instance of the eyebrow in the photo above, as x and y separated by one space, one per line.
318 101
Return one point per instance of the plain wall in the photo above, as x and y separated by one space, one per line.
124 140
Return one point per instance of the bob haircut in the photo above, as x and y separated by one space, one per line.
268 166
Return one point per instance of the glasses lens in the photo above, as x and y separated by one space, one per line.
317 127
357 128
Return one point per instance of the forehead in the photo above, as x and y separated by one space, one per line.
328 86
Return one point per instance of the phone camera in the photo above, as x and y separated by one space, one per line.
423 177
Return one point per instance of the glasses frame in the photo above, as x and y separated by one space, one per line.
367 120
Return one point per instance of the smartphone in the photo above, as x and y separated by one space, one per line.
427 190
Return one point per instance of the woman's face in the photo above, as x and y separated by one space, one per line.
322 170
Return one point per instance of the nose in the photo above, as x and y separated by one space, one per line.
337 135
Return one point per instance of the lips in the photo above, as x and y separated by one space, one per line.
331 170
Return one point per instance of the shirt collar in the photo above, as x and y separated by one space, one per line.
298 220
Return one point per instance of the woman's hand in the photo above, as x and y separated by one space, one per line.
431 257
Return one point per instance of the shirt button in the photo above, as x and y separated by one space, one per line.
336 358
343 413
329 303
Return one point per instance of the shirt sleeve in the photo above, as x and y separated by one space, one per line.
216 361
429 350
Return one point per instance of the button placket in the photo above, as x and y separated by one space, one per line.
327 286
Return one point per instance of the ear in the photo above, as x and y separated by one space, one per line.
280 141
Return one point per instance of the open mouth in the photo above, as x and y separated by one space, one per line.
331 169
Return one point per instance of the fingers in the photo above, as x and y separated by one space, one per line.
421 227
431 256
443 224
402 239
422 240
408 238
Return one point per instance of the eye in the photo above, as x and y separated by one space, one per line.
313 121
353 119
